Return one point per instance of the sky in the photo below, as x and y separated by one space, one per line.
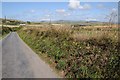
58 0
45 11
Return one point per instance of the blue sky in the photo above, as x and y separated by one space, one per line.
39 11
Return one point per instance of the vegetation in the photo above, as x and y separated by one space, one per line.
11 22
28 22
5 30
78 53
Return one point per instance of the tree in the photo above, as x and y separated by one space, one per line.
28 22
112 17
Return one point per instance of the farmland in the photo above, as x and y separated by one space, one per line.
60 39
78 52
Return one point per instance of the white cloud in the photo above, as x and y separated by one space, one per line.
32 11
47 15
114 10
63 12
60 10
75 4
86 6
67 14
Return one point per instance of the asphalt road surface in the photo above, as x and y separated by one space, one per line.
19 61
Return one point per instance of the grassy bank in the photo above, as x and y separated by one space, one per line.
77 53
5 30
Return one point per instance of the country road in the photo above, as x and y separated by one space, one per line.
19 61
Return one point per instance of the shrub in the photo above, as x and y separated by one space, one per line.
61 65
85 58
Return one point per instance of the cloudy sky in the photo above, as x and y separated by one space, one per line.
72 10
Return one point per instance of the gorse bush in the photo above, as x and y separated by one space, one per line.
6 30
89 58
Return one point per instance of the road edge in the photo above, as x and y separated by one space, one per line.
39 56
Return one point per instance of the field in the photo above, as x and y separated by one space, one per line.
76 52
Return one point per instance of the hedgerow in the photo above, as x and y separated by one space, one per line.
90 58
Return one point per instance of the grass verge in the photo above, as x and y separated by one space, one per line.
92 55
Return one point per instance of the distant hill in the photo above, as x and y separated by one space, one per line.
78 22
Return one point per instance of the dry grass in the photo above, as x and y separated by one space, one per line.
83 33
52 27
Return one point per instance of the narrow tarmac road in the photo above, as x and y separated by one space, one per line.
19 61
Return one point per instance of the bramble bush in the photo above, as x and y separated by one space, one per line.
90 58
